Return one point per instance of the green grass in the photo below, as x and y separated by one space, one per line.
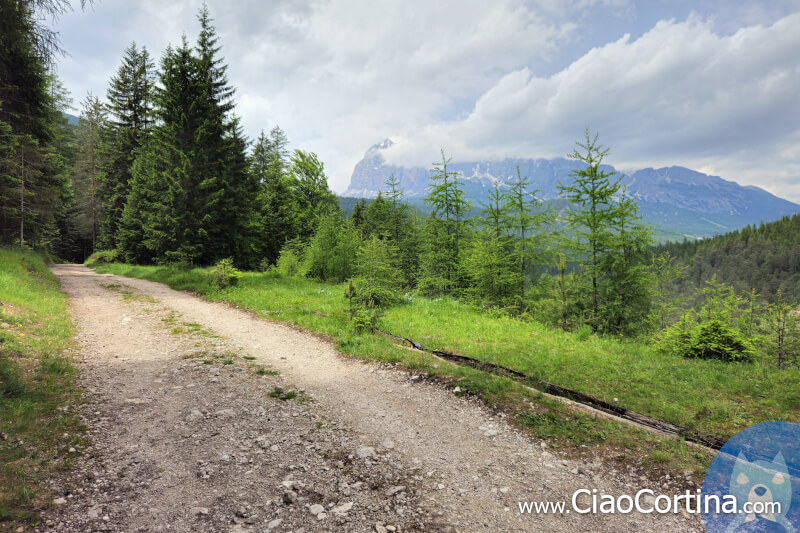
703 395
37 381
321 307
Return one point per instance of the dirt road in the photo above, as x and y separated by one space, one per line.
193 431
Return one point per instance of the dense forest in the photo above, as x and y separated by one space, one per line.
160 172
765 258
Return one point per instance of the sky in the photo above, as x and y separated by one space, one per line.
713 86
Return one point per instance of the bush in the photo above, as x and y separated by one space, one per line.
225 274
102 256
712 339
715 340
290 263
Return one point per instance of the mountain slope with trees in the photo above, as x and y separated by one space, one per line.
764 258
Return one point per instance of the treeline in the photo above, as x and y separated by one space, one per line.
35 142
165 173
764 258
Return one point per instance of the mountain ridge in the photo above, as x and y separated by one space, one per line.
691 203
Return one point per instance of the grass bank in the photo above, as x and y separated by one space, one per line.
38 426
321 307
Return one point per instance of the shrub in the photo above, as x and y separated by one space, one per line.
102 256
715 340
290 263
712 339
225 274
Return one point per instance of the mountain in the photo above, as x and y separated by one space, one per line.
679 202
72 119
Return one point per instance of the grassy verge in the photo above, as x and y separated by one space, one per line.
321 308
38 426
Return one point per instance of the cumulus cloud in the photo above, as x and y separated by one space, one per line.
489 79
679 94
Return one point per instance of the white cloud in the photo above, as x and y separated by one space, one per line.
679 94
474 77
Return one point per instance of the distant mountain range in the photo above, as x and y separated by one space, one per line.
679 202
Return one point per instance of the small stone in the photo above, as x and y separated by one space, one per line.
275 523
394 490
241 512
289 497
198 511
72 450
380 529
316 509
391 528
362 452
504 490
457 389
60 501
491 433
194 416
342 509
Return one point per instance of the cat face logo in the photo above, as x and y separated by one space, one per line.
766 486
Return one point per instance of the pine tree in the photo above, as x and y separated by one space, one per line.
628 284
445 233
490 262
333 249
276 203
377 281
404 232
130 97
591 215
197 162
87 172
528 222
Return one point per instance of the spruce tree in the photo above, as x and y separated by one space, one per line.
130 105
276 202
33 173
87 172
197 162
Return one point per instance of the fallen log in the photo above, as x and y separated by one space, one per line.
662 426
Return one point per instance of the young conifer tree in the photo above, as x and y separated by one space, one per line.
445 234
529 223
591 216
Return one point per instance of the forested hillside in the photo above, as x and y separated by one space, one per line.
765 258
